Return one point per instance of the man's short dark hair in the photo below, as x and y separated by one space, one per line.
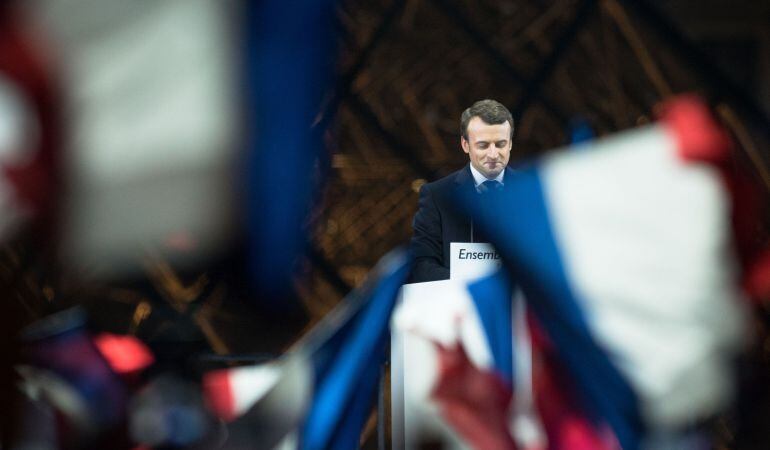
491 112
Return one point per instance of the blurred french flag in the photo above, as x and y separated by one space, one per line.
29 127
318 395
625 254
78 375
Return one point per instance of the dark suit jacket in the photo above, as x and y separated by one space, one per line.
438 223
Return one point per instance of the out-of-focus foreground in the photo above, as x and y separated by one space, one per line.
191 186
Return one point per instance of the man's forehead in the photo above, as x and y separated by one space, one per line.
482 130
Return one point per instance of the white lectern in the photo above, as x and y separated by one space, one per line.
433 308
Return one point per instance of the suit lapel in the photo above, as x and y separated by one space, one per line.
464 178
464 187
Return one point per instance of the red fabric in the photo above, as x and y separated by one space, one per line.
474 402
751 239
566 424
218 393
126 355
758 277
698 136
23 64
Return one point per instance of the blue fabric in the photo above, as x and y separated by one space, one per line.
349 365
580 131
522 233
60 343
289 66
492 298
348 432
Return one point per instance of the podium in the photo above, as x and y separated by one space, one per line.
435 306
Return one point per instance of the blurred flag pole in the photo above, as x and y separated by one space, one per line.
289 67
322 390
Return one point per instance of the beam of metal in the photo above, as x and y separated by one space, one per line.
722 88
480 41
532 87
328 270
340 93
407 152
342 88
400 148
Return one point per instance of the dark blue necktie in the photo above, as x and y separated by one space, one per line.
486 189
490 186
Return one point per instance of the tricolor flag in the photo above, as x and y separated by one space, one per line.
320 393
148 141
466 364
29 129
63 367
624 252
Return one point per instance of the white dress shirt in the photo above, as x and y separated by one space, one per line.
479 178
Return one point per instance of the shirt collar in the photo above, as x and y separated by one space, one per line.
478 178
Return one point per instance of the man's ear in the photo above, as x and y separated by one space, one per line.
464 144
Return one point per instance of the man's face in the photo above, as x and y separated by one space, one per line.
488 146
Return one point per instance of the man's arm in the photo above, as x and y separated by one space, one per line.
426 244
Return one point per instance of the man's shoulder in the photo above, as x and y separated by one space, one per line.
447 182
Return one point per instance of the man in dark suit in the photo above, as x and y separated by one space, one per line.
487 132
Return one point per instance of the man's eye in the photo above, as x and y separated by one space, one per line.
484 145
501 144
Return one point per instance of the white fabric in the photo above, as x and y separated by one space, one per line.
19 127
436 311
645 241
251 383
152 121
19 138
